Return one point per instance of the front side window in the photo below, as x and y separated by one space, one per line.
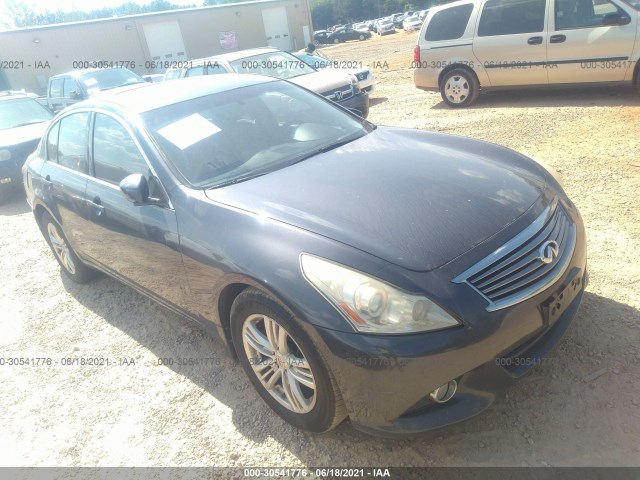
195 71
584 13
115 154
72 142
449 24
69 86
55 90
510 17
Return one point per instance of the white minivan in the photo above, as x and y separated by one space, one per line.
468 45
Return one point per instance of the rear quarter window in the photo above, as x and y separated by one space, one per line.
449 24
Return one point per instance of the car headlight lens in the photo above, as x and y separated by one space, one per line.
371 305
5 155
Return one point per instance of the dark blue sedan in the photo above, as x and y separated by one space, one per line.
397 277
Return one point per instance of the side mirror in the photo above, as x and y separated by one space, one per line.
616 18
135 188
75 95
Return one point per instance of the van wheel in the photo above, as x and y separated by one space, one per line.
459 88
336 40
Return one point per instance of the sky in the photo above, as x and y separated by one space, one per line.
70 5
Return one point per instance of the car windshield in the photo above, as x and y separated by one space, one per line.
314 61
109 78
243 133
22 111
272 64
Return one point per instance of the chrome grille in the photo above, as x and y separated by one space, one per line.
527 264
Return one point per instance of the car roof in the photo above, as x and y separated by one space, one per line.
143 97
78 73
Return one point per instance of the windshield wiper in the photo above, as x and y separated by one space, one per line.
331 146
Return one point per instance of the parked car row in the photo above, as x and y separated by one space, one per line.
340 35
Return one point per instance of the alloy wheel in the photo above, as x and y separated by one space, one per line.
61 249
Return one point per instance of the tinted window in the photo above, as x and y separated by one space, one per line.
72 142
215 69
115 155
449 23
109 78
508 17
69 86
52 143
56 88
583 13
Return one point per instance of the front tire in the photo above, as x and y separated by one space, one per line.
459 88
71 265
282 363
361 37
336 40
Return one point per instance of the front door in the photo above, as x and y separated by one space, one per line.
582 48
510 42
137 242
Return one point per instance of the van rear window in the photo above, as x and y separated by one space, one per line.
449 24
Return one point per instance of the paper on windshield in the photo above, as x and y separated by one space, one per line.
188 131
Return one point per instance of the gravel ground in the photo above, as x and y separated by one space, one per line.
580 408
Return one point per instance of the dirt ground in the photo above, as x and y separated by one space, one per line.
580 408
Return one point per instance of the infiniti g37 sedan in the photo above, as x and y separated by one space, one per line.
397 277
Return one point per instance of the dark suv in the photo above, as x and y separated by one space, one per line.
22 122
68 88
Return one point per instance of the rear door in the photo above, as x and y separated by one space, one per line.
64 176
137 242
583 47
510 42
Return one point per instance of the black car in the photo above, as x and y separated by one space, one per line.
400 278
346 34
22 121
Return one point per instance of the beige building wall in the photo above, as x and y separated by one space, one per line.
28 57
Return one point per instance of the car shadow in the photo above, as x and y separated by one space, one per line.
16 204
557 381
373 101
554 97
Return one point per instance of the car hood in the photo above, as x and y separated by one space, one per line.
323 81
19 135
412 198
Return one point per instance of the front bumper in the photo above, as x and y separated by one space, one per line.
385 381
10 174
359 102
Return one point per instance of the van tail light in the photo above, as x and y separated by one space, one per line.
416 55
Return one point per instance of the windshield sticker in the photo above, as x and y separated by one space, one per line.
188 131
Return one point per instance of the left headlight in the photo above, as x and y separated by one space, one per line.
5 155
371 305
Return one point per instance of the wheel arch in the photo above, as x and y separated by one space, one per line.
455 66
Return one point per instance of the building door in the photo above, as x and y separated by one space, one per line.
276 26
165 43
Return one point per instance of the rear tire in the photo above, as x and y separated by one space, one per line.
459 88
71 265
336 40
361 37
282 363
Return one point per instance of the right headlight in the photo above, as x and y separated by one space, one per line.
371 305
5 155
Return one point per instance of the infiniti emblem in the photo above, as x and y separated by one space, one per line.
549 251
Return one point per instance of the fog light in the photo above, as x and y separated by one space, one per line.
445 392
5 180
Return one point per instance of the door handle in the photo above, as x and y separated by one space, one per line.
96 206
535 41
47 183
557 38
